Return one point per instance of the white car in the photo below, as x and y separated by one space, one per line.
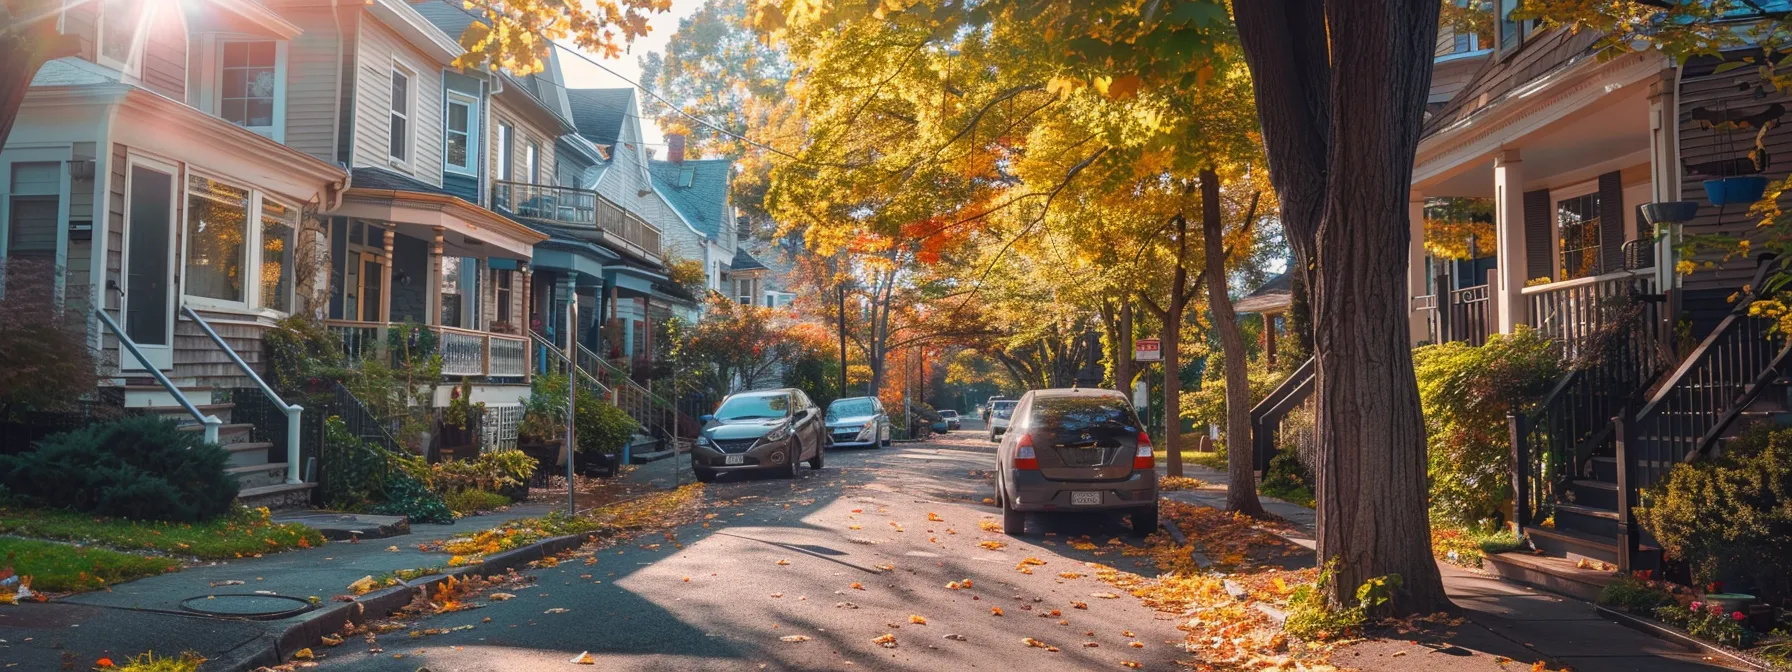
999 413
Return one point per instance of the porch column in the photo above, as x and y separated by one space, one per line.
564 297
1415 267
433 305
487 294
1508 195
526 317
386 276
1664 165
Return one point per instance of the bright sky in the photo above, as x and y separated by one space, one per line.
583 75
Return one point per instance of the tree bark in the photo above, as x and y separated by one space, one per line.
1341 89
1241 474
1170 315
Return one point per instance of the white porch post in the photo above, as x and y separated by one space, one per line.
1664 166
1508 190
1415 267
434 303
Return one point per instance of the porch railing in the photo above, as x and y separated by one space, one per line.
465 352
1458 314
1570 311
583 208
211 422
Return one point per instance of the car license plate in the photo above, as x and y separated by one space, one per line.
1085 498
734 459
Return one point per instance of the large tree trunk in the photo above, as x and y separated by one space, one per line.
1241 475
1340 128
1171 347
28 39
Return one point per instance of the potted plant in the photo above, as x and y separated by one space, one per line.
1741 189
601 431
543 428
461 422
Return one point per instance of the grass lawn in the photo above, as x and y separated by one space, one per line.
1211 460
55 567
244 533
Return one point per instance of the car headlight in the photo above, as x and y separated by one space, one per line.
781 433
865 432
703 440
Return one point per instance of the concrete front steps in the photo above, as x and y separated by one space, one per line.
261 474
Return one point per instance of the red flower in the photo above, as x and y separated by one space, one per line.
1738 617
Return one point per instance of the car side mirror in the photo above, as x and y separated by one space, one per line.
707 417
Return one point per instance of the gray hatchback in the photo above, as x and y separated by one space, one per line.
1076 450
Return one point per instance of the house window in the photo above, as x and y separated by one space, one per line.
505 170
1577 220
532 162
119 23
400 127
462 137
686 176
503 284
451 292
249 82
217 239
278 222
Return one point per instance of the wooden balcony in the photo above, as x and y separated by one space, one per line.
465 352
577 208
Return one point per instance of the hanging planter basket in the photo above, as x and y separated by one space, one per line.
1741 190
1670 212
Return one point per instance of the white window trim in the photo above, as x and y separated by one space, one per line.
532 161
211 81
473 120
410 117
251 270
505 152
132 67
60 156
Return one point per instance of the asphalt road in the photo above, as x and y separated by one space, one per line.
841 556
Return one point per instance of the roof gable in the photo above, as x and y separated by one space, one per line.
599 113
703 201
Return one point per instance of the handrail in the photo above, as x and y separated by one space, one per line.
1765 265
1275 406
623 375
292 410
548 346
211 422
1588 280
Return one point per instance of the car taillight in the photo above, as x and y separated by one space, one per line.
1143 459
1024 457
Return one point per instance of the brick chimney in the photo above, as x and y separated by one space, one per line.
675 148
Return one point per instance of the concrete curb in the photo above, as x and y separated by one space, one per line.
1679 637
275 648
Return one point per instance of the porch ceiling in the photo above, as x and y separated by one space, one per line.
1609 136
467 230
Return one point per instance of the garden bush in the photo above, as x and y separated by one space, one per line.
602 427
544 412
1637 596
45 361
305 360
361 476
491 471
1710 623
474 500
142 468
1466 393
1730 516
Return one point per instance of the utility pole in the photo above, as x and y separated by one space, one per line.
572 397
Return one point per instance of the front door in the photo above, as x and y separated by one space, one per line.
149 264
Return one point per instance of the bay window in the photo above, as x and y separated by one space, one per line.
239 247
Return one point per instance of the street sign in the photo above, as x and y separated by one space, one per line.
1146 350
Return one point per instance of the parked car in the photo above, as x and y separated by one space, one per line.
951 416
989 406
999 410
763 429
1076 449
858 422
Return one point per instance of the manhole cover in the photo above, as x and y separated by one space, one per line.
246 605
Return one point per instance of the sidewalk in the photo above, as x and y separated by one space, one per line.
148 614
1507 621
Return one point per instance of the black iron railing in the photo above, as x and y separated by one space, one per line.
1267 417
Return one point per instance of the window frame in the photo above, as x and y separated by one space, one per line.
132 65
213 90
532 161
252 248
1591 254
409 115
506 159
471 167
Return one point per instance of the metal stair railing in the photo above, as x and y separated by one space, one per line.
292 411
1267 416
553 360
211 422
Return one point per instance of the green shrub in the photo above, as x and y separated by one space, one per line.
1206 405
142 468
602 427
474 500
1288 479
1312 617
1710 623
361 476
1635 595
544 412
494 470
1468 547
1466 393
1730 515
305 360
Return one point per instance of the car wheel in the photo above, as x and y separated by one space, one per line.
1144 521
815 462
705 475
1014 523
794 460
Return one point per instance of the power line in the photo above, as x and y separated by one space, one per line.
638 86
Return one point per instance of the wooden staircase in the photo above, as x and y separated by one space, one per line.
1617 426
258 465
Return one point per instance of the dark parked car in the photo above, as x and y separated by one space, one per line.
764 429
1076 449
858 422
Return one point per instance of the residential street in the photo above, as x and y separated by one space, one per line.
723 600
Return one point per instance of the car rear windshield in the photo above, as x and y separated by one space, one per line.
746 407
1064 415
1002 408
851 408
948 414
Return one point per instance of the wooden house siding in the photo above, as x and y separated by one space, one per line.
311 76
523 132
377 49
165 56
197 358
1506 72
82 21
1701 88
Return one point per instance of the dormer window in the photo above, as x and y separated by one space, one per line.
249 84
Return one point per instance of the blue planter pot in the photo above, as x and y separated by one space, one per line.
1736 190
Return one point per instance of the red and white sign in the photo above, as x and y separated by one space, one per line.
1147 350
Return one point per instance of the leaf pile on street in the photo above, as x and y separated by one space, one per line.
656 510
